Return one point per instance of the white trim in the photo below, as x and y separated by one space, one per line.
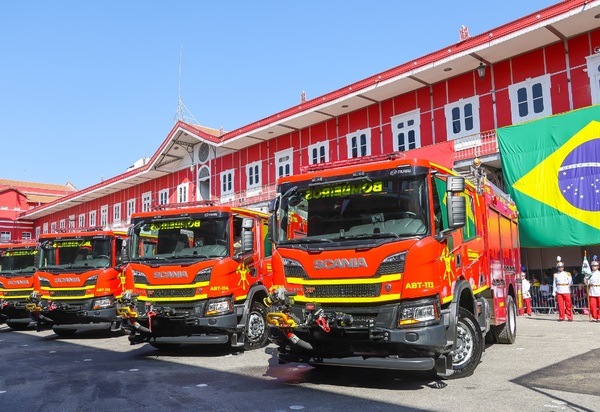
227 180
402 124
353 142
527 86
254 175
322 152
284 159
593 71
467 109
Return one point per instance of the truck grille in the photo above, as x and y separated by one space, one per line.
66 293
171 293
10 293
343 291
390 268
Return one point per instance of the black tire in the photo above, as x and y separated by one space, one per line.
255 333
165 346
17 325
65 333
469 347
507 332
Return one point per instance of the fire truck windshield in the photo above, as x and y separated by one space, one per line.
389 207
177 238
92 252
17 260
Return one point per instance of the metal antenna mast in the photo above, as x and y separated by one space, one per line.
183 114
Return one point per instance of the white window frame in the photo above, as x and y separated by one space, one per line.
71 221
227 182
284 163
146 201
130 208
163 197
409 125
38 231
183 194
117 212
356 146
528 85
4 236
92 220
62 224
593 71
45 228
25 235
104 215
460 106
318 152
81 221
254 175
53 227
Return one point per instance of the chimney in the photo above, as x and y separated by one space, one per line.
464 33
302 97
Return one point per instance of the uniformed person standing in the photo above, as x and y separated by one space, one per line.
562 291
526 287
593 283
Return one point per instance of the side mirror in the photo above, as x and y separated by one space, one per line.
457 211
247 235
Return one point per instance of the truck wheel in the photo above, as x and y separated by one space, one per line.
65 333
469 347
17 325
256 327
507 332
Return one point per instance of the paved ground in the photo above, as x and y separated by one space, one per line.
552 367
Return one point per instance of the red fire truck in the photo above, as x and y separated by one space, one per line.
78 280
395 264
198 274
17 266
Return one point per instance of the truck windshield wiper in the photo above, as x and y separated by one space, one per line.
372 236
306 240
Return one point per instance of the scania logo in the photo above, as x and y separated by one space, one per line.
170 274
345 263
65 280
18 282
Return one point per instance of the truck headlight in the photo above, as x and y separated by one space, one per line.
103 303
91 281
219 307
418 313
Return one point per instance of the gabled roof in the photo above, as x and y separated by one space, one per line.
34 187
555 23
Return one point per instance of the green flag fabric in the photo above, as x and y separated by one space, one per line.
551 168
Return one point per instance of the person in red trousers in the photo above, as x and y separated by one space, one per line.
593 283
562 291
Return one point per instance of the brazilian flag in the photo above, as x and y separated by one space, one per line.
551 169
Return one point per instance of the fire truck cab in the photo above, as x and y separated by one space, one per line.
396 264
78 280
198 275
17 266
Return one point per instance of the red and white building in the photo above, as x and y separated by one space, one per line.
539 65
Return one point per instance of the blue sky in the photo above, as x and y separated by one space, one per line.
89 87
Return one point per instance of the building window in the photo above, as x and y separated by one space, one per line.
38 231
62 224
146 201
182 193
359 143
93 218
130 208
593 70
53 227
26 235
45 228
406 129
71 221
530 99
253 173
117 212
81 221
227 182
163 197
284 163
4 236
318 153
104 216
462 118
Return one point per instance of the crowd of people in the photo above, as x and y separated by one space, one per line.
564 291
